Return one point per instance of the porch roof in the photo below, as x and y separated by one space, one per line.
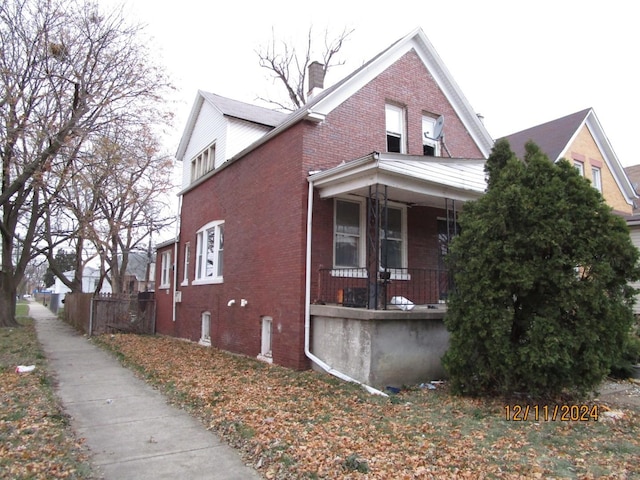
412 179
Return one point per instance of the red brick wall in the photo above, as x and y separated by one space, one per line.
164 298
357 127
263 200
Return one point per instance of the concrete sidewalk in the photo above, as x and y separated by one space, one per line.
128 426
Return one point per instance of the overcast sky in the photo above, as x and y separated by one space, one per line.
518 64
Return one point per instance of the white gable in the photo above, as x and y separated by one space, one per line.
208 125
241 134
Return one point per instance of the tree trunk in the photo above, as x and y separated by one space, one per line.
7 301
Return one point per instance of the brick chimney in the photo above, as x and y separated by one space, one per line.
316 79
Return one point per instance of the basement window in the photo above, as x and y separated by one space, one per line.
266 354
205 335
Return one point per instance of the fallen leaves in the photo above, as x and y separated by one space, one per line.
310 425
37 441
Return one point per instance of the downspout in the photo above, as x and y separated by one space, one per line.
175 264
307 309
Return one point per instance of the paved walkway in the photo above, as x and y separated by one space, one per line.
128 426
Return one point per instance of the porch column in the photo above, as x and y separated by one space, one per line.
377 229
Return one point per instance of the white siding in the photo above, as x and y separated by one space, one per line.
241 134
230 134
635 238
209 126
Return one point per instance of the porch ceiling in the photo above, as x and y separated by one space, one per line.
410 179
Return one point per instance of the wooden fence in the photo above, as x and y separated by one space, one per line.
108 313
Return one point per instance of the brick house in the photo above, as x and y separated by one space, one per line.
316 238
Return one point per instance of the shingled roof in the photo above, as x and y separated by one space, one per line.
245 111
552 137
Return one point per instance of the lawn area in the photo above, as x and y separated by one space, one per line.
36 441
308 425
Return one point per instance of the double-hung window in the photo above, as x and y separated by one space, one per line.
350 241
209 253
187 260
394 118
596 176
348 235
165 272
430 142
391 242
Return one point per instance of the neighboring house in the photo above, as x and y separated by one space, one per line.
139 277
140 273
90 279
317 237
633 222
580 139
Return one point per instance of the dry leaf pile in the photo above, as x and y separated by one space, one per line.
291 424
36 441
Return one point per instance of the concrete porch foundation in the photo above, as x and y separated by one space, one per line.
381 347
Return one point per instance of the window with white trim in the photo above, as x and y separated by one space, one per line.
596 177
579 166
205 329
266 353
349 237
165 272
393 245
430 145
187 260
203 162
348 241
394 119
209 253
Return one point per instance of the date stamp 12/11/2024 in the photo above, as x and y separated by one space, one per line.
553 413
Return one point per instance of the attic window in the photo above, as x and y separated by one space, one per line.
394 117
596 176
203 162
430 144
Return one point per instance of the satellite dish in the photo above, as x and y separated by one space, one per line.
437 129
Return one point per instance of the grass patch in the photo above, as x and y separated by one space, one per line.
37 441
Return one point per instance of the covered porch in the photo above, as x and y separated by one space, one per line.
383 293
385 254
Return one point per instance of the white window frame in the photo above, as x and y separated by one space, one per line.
361 242
395 125
266 340
596 177
203 162
403 235
360 271
202 257
187 260
579 166
165 270
205 329
428 128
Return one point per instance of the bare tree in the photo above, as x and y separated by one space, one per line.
132 182
290 68
67 70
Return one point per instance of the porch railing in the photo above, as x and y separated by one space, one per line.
351 287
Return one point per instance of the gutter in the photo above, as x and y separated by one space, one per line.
307 309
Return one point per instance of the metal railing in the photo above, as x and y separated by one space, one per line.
351 287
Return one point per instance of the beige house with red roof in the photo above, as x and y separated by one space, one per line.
579 138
